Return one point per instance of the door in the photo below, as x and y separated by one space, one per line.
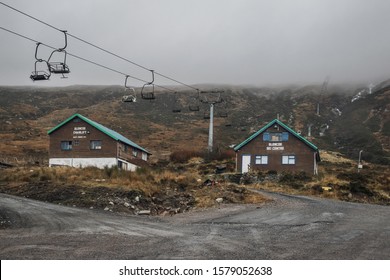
246 162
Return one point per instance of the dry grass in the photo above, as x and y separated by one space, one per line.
338 179
168 183
230 193
164 185
333 157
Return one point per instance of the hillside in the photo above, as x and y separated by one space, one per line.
27 113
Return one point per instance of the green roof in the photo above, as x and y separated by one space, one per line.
275 121
113 134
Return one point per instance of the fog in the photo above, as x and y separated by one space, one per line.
240 42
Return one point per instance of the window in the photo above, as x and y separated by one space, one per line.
66 145
261 160
76 142
275 136
145 156
96 145
135 153
288 159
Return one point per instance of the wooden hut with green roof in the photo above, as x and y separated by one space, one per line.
80 142
279 148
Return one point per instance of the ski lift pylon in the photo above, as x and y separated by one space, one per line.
129 95
148 95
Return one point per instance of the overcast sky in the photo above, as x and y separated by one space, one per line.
259 42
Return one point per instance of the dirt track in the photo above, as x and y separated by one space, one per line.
291 227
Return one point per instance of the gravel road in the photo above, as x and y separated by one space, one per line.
290 227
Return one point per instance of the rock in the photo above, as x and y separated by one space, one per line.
144 212
209 183
219 200
111 203
136 198
349 195
126 204
220 168
100 180
106 209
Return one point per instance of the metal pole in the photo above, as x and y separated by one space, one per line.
211 128
360 156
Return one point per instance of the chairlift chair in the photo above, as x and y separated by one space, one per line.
129 95
150 94
194 107
223 114
40 75
59 67
176 106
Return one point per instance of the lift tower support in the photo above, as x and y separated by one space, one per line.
211 103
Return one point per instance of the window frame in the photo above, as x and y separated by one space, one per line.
263 159
95 147
289 159
281 136
68 147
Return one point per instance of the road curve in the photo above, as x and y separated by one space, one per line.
290 227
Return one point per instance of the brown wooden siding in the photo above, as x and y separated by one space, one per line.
126 152
304 155
68 131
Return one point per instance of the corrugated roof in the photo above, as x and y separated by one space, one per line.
264 128
113 134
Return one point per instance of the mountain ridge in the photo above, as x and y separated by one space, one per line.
27 113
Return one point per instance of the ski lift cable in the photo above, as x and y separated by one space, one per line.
73 55
30 16
81 58
100 48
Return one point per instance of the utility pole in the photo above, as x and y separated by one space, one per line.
212 102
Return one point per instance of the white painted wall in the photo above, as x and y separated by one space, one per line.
129 166
96 162
83 162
